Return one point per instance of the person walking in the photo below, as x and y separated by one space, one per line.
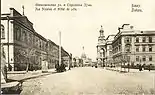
149 67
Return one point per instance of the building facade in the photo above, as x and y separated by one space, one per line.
109 54
134 46
128 46
52 54
24 47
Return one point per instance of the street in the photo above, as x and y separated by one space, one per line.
91 81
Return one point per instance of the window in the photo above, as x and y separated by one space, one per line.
119 48
150 58
150 39
144 39
110 47
127 48
144 58
127 40
137 48
143 48
110 53
128 58
2 32
137 58
150 48
137 40
100 54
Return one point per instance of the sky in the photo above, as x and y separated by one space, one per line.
81 28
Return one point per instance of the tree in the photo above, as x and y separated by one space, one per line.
28 54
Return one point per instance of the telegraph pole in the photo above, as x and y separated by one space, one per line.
0 44
8 40
59 48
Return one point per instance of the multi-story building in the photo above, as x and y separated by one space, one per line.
109 54
24 47
101 48
52 54
134 46
128 46
66 57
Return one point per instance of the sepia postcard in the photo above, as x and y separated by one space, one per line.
77 47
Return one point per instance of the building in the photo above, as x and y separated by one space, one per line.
134 46
66 57
53 57
101 48
109 54
128 46
26 49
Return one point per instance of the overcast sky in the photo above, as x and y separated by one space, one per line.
81 28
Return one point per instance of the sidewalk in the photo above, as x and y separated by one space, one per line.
119 69
23 75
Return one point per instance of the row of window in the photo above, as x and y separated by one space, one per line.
128 49
144 39
21 34
144 48
143 58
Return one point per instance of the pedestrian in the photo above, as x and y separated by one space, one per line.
128 67
149 67
140 67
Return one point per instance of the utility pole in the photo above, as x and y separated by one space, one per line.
0 44
59 48
8 40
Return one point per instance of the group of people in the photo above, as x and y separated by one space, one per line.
141 67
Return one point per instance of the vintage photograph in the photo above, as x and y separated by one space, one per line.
77 47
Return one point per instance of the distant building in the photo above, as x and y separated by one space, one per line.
85 60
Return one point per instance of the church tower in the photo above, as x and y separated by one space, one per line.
101 50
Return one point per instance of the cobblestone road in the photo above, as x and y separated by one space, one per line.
91 81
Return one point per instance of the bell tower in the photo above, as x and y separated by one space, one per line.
101 31
101 38
101 50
